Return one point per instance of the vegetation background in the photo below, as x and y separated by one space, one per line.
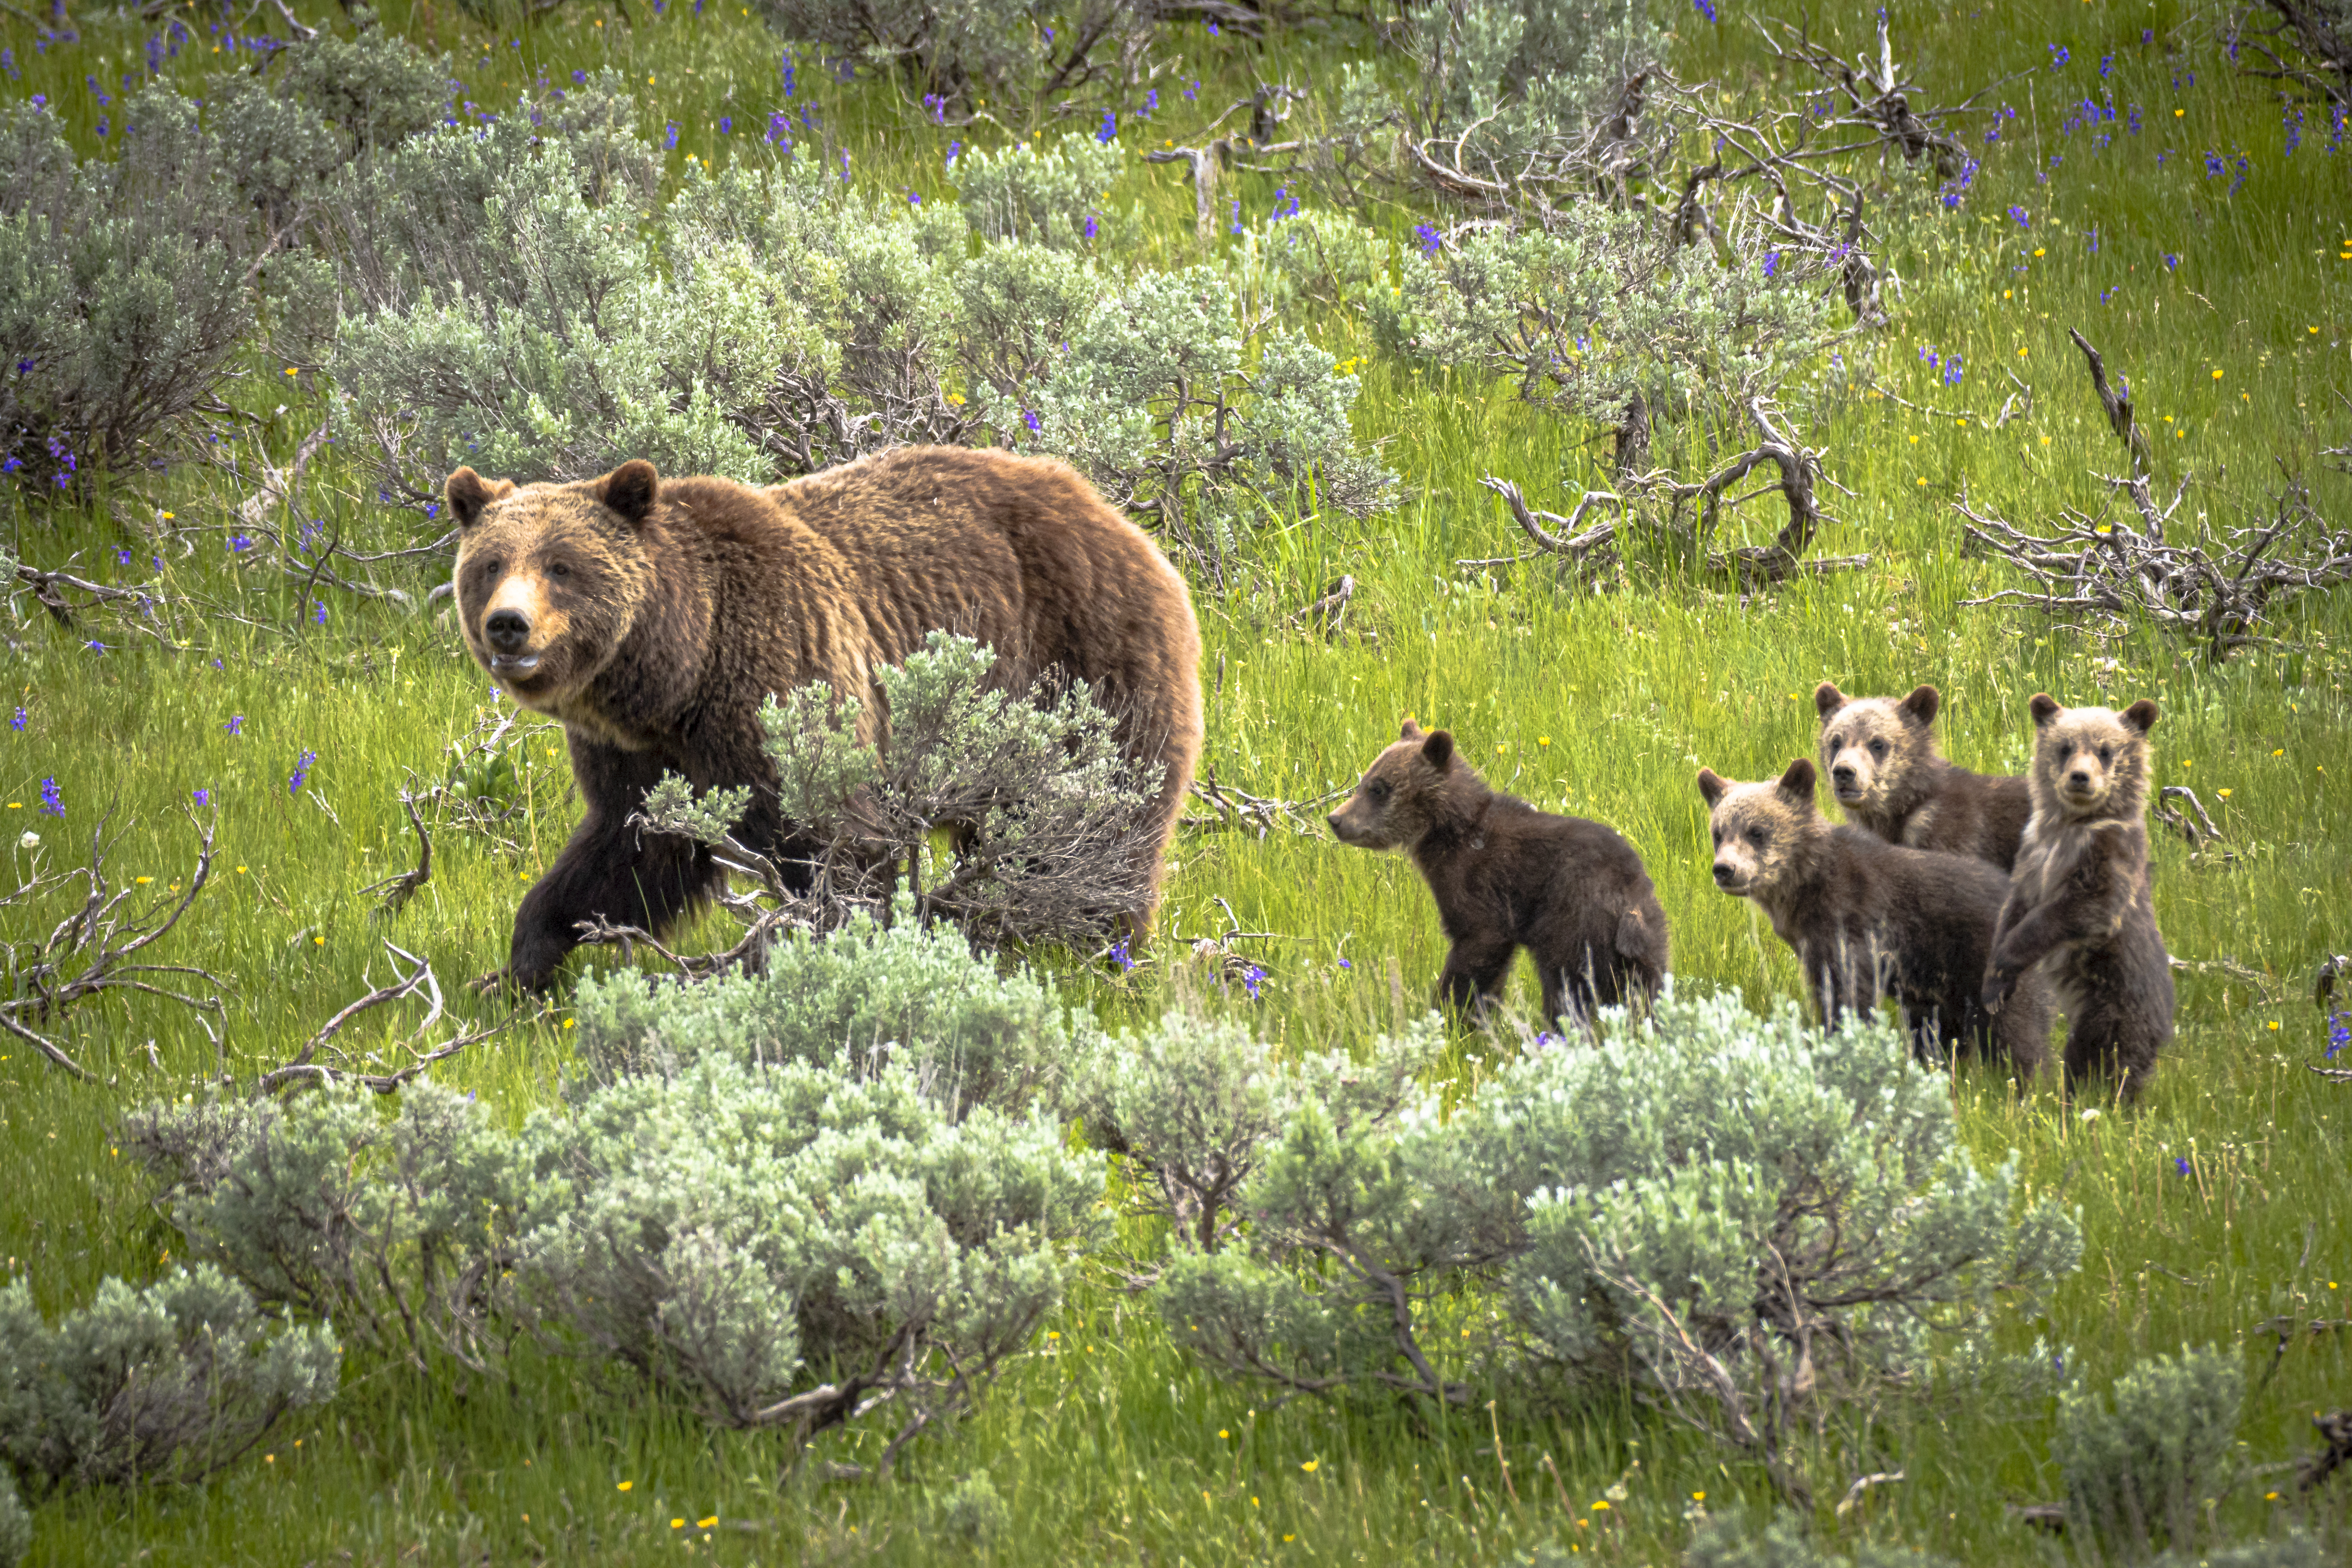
2220 1213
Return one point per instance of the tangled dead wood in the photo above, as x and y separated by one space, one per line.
95 947
372 1071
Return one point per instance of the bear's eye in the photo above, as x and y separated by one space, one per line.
1878 748
493 566
1376 792
1755 837
558 569
2106 754
1715 834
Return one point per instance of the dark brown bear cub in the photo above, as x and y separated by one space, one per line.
653 616
1506 876
1880 753
2078 911
1869 919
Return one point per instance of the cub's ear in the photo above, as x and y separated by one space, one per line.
1439 749
1923 702
1828 698
1411 731
1797 784
2044 710
1713 785
629 490
2141 715
467 493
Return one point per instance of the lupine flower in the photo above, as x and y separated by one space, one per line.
1193 93
2214 167
1151 102
301 774
235 726
1431 241
2339 1034
122 556
53 800
239 543
726 125
1252 978
580 79
1952 371
2107 65
1705 8
1092 227
317 613
2170 261
1345 964
669 137
19 719
2058 56
2180 1166
94 646
203 797
1771 263
1108 130
778 123
1119 955
1237 215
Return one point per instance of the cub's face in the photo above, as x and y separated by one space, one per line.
1870 744
2091 761
549 577
1391 808
1759 829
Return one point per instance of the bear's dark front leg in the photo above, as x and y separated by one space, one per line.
2024 938
1474 971
609 869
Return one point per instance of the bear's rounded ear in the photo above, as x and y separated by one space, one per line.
2044 708
1922 703
1411 731
1713 785
1828 698
1439 749
467 493
629 491
1798 782
2141 715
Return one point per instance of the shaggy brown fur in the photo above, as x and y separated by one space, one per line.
2078 911
1880 754
1869 919
1506 876
653 616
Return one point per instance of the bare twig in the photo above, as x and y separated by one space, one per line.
397 890
418 979
2116 401
1326 614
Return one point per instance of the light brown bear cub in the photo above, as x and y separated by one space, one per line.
1869 919
2078 911
1506 876
1880 753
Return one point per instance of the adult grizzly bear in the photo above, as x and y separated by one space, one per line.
653 616
1506 876
2079 912
1880 753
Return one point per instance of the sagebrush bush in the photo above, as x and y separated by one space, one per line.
2139 1474
1057 196
875 995
1734 1539
961 52
395 1222
16 1524
164 1383
1750 1219
1046 809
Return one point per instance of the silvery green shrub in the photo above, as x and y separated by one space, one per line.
869 993
164 1383
16 1524
2138 1473
125 296
1734 1539
1517 97
1045 195
1748 1219
791 1245
1045 808
394 1220
959 53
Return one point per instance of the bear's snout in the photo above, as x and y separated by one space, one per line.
1843 776
2079 782
506 631
1724 874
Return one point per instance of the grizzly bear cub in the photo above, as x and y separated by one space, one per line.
1506 876
2078 911
1869 919
1880 753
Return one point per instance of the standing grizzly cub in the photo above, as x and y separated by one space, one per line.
1573 892
1880 753
2078 906
655 617
1869 919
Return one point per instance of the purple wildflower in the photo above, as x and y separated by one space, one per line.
53 800
1252 978
301 774
669 137
1771 264
2024 220
1029 417
2180 1166
19 719
1430 240
1109 131
203 797
726 125
2058 56
235 726
1119 955
2170 261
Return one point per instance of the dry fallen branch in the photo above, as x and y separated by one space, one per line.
1256 814
1753 566
1587 555
397 890
1326 614
89 952
417 980
2199 832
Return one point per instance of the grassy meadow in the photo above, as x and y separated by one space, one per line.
2225 299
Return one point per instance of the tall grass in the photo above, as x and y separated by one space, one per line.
1108 1444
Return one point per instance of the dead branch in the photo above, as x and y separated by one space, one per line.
1327 613
418 979
87 953
2179 821
2117 404
2336 1433
1587 554
1257 814
397 890
1754 566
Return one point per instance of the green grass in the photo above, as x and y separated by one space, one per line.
1108 1444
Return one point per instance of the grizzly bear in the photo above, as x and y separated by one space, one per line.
1880 753
653 616
1506 876
1868 919
2078 911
